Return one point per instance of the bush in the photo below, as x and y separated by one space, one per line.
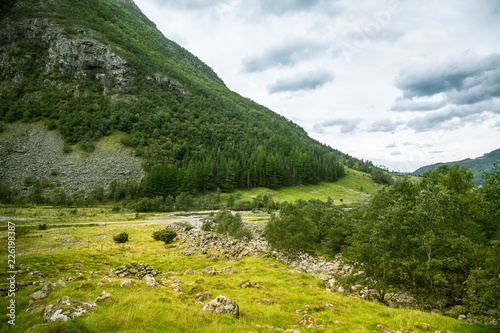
165 235
52 125
67 149
121 238
42 227
208 225
232 225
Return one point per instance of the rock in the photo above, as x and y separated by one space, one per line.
210 271
330 305
265 301
139 270
66 309
176 287
228 269
291 331
44 292
103 296
423 326
188 271
223 305
250 284
176 279
203 296
307 320
36 306
150 281
61 283
127 283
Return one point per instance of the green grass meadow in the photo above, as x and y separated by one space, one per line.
57 251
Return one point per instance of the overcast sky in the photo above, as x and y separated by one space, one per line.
401 83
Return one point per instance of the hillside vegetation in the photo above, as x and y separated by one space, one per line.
87 68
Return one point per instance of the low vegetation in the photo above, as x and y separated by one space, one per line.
165 235
291 293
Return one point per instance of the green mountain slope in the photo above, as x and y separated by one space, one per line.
483 163
91 67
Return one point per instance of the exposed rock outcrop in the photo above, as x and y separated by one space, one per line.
223 305
134 269
66 309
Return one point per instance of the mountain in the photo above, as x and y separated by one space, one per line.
85 70
483 163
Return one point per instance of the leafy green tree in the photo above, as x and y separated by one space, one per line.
232 225
292 232
419 238
184 201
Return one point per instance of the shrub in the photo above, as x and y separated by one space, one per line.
52 125
165 235
208 225
121 238
29 181
232 225
67 149
42 227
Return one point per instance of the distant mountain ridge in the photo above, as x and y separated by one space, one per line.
482 163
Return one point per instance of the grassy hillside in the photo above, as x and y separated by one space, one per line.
352 187
141 308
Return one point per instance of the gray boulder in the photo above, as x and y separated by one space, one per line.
223 305
44 292
127 283
150 281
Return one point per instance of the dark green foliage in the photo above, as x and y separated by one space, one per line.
7 194
121 238
157 204
165 235
292 232
431 239
52 125
208 225
42 227
232 225
28 181
67 149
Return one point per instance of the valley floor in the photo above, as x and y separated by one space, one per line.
82 258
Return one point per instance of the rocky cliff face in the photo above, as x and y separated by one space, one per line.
30 150
71 56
